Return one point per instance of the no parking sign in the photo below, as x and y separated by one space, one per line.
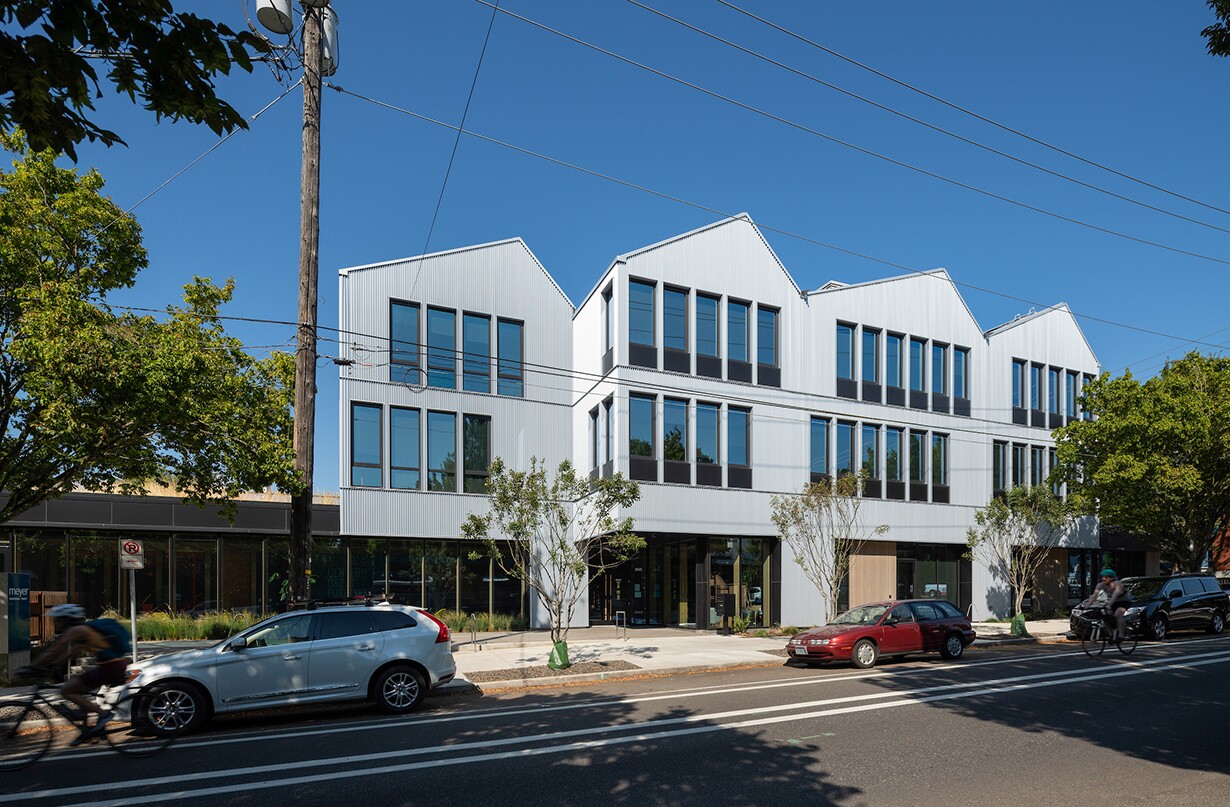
132 554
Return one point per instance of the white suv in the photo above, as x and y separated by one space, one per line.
390 654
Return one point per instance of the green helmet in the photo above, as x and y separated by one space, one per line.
1107 573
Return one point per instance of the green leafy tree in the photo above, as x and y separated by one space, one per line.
101 401
554 533
1218 34
823 528
1155 458
1016 532
168 60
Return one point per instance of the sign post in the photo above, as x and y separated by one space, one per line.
132 557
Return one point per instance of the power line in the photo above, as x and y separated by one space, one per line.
969 112
920 122
860 149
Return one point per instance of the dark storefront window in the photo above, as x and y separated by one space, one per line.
937 571
241 575
94 572
406 572
43 557
753 552
328 569
440 567
367 557
196 575
474 581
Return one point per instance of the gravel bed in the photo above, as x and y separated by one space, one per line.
577 668
780 652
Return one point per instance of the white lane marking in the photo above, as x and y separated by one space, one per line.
901 698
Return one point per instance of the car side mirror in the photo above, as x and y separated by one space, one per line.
238 643
892 620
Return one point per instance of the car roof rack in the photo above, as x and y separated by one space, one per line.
366 601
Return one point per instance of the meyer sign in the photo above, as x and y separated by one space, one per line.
132 554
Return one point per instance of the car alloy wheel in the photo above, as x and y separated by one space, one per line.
400 690
1218 623
953 647
1159 627
174 707
865 654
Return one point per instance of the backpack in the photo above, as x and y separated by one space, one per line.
118 642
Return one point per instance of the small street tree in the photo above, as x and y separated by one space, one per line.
555 533
1154 460
1015 533
823 527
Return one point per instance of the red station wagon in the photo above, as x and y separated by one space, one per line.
894 628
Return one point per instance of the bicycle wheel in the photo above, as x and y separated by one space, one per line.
1094 642
25 734
138 737
1128 643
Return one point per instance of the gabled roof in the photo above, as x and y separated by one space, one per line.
420 259
939 274
1021 319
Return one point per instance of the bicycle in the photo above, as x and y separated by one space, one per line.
1098 634
27 727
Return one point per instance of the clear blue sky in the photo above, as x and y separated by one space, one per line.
1126 84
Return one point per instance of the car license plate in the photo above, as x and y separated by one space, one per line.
800 651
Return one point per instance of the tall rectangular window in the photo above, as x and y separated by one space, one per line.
960 372
1085 413
918 456
819 445
404 440
939 459
706 325
675 319
1037 473
939 369
1052 391
441 348
707 418
871 356
594 457
766 336
511 367
640 425
608 320
1035 386
675 430
845 350
737 330
442 451
870 454
845 448
999 466
892 360
1052 459
892 454
640 313
1018 383
1070 394
1018 465
739 436
366 465
476 438
918 364
404 342
476 361
608 430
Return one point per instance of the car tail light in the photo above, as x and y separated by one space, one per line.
442 634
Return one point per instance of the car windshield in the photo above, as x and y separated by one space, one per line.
1143 589
235 633
863 615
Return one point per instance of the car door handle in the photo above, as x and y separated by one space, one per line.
366 647
292 658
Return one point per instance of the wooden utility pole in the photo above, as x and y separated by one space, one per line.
305 357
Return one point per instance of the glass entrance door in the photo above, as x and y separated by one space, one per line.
905 579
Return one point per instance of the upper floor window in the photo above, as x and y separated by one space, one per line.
366 461
594 456
737 330
1018 383
1070 394
675 319
1018 465
918 456
706 325
1035 386
871 451
939 459
707 417
1052 460
999 466
442 451
441 348
766 336
845 350
404 441
892 360
1052 391
892 453
511 369
819 445
1036 470
845 448
1086 414
738 436
476 438
404 342
939 369
608 430
608 320
476 356
918 368
675 430
640 425
871 356
960 372
640 313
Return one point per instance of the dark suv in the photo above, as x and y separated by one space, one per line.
1179 602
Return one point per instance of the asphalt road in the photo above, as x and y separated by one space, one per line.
1035 725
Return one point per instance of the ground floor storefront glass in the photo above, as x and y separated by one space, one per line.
935 571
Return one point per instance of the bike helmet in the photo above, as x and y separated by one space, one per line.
1107 573
66 611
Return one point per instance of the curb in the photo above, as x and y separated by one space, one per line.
464 687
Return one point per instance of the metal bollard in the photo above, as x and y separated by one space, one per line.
623 614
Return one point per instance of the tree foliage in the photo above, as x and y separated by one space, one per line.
1015 533
104 401
823 527
1218 34
1155 458
554 533
166 59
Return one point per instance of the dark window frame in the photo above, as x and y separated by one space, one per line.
417 468
355 406
406 366
470 474
510 372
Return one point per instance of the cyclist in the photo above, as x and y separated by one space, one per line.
106 639
1117 600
